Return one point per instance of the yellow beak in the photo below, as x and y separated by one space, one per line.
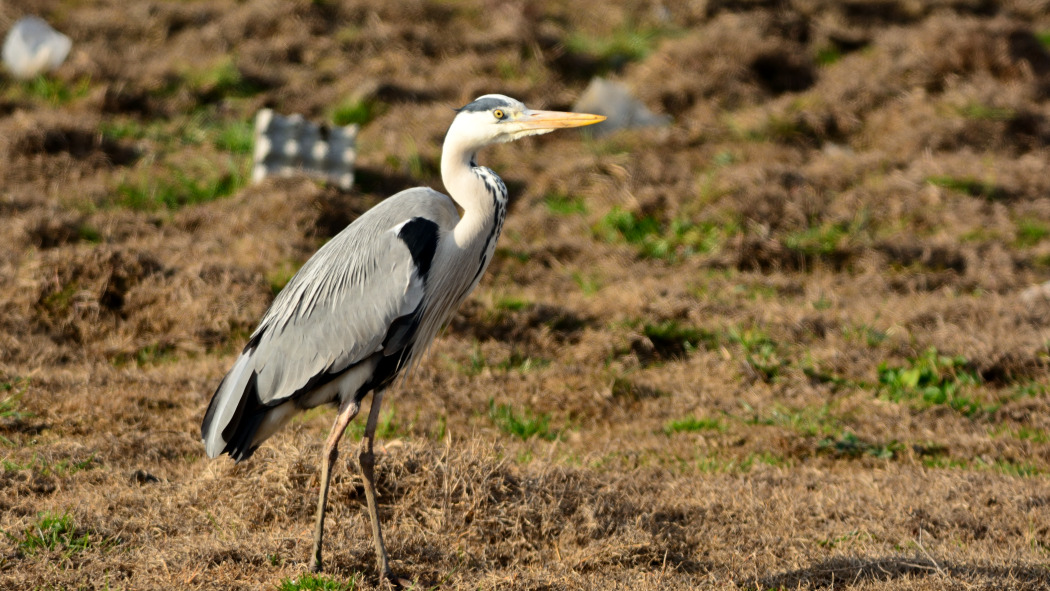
557 120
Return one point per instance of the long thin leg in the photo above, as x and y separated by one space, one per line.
368 463
347 411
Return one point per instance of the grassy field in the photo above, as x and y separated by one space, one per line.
794 340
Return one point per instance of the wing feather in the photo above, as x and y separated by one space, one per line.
359 295
339 308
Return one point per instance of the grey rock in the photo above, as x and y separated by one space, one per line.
614 100
32 47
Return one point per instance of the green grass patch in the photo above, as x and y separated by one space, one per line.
219 80
624 44
820 376
714 464
624 388
511 254
656 240
588 283
311 582
178 188
620 224
420 167
777 128
1011 468
849 445
980 234
89 233
1030 232
944 461
932 379
528 67
693 424
356 112
768 458
279 276
672 336
437 433
1044 38
46 89
808 421
11 393
1023 433
512 304
125 129
864 333
937 457
59 302
237 137
524 425
760 352
516 361
521 363
967 185
1042 261
822 303
609 145
755 291
148 356
203 126
982 112
476 362
54 532
414 163
167 134
839 540
827 55
1028 390
41 466
820 240
565 205
386 427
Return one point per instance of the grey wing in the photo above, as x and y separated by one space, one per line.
338 312
359 295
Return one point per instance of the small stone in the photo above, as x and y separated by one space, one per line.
32 47
614 100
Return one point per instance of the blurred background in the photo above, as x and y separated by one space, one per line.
786 328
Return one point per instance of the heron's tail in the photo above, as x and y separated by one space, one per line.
235 413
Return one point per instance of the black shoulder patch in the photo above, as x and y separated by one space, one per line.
421 237
484 104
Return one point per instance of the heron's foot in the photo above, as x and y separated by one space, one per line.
315 557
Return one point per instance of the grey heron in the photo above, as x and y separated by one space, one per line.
365 306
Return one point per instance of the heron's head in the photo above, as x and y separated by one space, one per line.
495 118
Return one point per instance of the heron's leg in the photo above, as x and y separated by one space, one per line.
347 411
368 463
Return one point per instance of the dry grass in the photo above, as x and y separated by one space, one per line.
778 345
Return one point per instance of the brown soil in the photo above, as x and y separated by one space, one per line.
870 179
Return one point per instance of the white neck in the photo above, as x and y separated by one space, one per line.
468 190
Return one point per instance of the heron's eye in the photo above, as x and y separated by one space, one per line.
499 114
